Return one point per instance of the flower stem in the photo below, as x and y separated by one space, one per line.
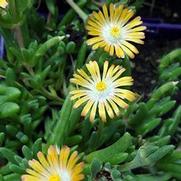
19 36
78 10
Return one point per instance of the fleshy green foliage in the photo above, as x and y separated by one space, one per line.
141 144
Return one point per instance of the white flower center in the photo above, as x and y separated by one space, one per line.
64 175
113 33
57 174
101 90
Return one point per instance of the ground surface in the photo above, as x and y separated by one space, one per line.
146 63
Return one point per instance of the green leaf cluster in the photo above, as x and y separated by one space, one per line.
142 144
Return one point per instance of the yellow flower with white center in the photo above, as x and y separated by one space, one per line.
58 165
3 3
113 29
103 93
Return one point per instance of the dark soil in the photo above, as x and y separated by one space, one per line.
103 174
145 71
158 43
165 10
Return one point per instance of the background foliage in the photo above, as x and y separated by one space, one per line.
42 52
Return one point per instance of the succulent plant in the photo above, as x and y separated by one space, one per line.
36 110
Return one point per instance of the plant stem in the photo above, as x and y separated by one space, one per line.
17 29
19 36
50 96
78 10
25 32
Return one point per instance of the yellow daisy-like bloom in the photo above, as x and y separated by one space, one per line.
3 3
113 29
104 92
59 165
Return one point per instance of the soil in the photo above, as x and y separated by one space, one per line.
158 43
145 71
165 10
103 174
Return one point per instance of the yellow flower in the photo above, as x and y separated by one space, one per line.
103 91
59 165
3 3
113 29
